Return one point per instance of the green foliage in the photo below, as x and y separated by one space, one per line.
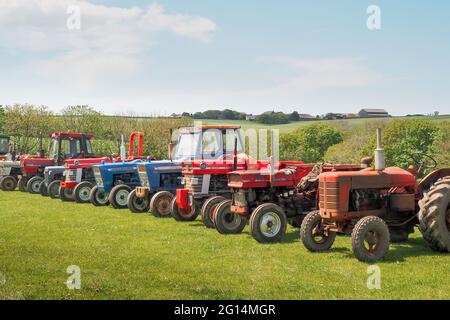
273 118
294 116
2 118
226 114
309 143
440 149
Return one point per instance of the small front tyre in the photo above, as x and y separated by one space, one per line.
268 223
118 197
370 239
312 234
34 185
183 215
82 192
136 204
208 210
8 183
53 189
228 222
98 197
160 204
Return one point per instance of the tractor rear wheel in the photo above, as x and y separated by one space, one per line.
22 184
183 215
370 239
66 194
98 197
268 223
43 190
53 189
160 204
208 210
434 216
118 197
82 192
8 183
312 234
34 184
228 222
137 205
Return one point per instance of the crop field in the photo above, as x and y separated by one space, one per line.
127 256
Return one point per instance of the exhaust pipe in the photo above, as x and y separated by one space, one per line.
123 150
379 153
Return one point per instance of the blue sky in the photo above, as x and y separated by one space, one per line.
159 57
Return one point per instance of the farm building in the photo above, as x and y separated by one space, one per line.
373 113
304 117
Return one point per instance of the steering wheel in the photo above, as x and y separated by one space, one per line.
423 160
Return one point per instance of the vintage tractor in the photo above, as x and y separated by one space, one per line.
9 166
79 177
4 146
380 205
64 145
161 179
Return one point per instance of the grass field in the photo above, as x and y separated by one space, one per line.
128 256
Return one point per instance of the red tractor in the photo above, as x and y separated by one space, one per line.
64 145
380 205
79 177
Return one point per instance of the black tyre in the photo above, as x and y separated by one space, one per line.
8 183
160 204
66 195
118 197
434 216
22 184
268 223
313 236
82 192
43 190
138 205
183 215
370 239
53 189
227 222
98 198
34 185
208 208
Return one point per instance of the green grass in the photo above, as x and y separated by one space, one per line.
128 256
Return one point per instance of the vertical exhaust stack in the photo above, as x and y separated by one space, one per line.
379 153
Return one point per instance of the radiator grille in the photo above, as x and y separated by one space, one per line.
328 195
71 175
193 183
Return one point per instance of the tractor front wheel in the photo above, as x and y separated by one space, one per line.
312 234
228 222
183 215
118 197
208 210
82 192
98 197
8 183
34 185
434 216
136 204
43 190
370 239
268 223
53 189
22 184
160 204
66 195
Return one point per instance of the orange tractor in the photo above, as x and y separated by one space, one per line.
377 206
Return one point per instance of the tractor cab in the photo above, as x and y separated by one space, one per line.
4 145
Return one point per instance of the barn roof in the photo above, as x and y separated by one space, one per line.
373 110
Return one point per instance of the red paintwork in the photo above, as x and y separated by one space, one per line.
69 135
183 196
140 153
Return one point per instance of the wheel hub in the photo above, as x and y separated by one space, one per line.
371 239
85 193
121 197
164 205
270 224
35 186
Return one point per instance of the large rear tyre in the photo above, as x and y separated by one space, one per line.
98 198
137 205
66 195
227 222
434 216
43 190
8 183
208 210
183 215
160 204
22 184
53 189
312 234
370 239
34 185
118 197
268 223
82 192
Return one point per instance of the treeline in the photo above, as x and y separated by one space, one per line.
26 123
226 114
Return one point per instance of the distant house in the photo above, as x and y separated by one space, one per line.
373 113
350 115
250 117
306 117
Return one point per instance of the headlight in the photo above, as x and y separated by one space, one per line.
203 166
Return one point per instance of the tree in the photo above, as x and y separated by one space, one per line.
294 116
273 118
2 117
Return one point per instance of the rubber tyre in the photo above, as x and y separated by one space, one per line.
208 208
22 184
434 216
118 197
186 216
227 222
43 190
363 229
53 189
8 183
137 205
268 223
308 235
66 195
34 185
98 198
82 192
160 204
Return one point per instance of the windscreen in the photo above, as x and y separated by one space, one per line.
4 145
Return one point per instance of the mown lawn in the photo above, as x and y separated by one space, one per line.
128 256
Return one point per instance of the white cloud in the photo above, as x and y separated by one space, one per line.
106 47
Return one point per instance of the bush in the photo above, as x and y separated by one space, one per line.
273 118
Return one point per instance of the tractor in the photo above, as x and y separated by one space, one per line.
9 165
64 145
80 178
161 179
380 205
